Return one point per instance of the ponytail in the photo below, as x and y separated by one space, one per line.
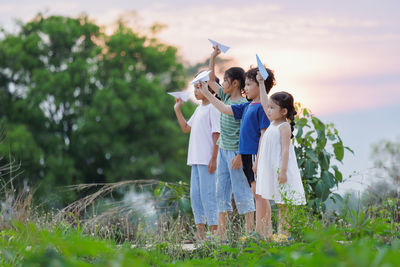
285 100
291 118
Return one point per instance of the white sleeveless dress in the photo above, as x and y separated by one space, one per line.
270 162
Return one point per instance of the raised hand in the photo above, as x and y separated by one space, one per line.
259 78
203 87
178 103
216 51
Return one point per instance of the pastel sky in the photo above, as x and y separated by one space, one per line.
339 58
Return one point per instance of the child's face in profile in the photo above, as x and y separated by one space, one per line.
274 111
197 92
251 89
227 85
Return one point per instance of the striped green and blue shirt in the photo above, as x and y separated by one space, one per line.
230 128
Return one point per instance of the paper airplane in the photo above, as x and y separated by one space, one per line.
261 68
202 77
221 47
182 95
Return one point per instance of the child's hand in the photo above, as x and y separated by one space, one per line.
259 78
282 178
212 166
203 87
216 52
178 103
237 162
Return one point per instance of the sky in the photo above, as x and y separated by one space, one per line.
339 58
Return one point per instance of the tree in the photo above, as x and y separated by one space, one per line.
386 156
82 106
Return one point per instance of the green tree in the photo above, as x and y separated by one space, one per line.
82 106
386 157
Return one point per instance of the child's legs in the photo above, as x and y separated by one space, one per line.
224 192
283 220
208 195
241 192
200 234
263 216
195 199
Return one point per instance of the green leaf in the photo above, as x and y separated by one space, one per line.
321 141
310 153
300 161
336 197
322 190
299 132
324 160
349 149
328 178
318 124
338 150
310 168
338 174
301 122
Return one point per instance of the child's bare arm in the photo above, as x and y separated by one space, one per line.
226 109
285 132
212 165
212 83
263 92
181 120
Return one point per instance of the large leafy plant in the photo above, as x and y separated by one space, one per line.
319 149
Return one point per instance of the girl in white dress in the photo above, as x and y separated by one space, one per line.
278 175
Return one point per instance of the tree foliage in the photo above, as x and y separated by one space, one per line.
83 106
386 157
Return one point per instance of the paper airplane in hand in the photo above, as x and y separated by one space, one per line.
221 47
202 77
182 95
261 68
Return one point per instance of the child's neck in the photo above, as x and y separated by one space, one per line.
279 121
256 100
205 102
236 95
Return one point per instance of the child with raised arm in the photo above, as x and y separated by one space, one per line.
230 175
254 122
204 128
278 175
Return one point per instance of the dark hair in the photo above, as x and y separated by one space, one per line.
269 82
285 100
236 73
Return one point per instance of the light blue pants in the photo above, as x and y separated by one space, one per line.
235 181
202 195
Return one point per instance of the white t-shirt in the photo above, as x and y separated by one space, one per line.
204 122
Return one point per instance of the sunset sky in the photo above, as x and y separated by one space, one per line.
339 58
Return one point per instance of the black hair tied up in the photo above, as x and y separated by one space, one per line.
236 73
285 100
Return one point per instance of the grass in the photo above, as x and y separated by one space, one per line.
97 231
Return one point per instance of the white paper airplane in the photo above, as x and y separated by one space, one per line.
221 47
182 95
202 77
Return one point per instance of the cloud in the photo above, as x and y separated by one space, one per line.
311 46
